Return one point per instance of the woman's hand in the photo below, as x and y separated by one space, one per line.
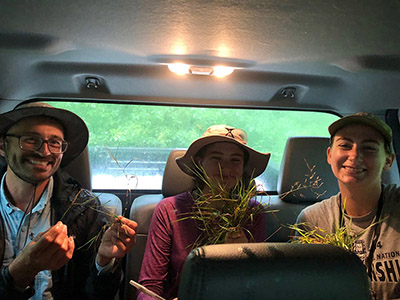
236 237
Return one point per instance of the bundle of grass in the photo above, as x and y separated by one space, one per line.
342 236
221 214
103 209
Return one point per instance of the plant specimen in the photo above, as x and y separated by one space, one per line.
92 203
342 236
131 179
311 182
220 212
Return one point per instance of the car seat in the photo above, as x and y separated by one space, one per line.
175 181
276 271
79 169
305 177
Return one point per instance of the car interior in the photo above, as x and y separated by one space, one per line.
251 267
149 77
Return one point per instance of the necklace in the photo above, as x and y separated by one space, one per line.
375 234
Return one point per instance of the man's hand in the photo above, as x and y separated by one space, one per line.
49 250
117 240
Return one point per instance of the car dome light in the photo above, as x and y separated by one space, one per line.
179 69
198 70
217 71
221 71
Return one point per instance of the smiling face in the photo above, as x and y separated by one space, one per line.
357 156
36 166
223 163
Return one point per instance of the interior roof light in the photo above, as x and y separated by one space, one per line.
217 71
221 71
179 69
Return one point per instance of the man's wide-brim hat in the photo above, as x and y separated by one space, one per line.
255 164
75 131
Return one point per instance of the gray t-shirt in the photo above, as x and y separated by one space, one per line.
386 259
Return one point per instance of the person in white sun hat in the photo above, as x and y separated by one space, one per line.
360 150
223 155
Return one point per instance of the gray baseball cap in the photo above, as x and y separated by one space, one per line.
366 119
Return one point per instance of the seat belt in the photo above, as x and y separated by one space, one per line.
392 117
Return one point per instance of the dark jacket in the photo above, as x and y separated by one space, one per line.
78 279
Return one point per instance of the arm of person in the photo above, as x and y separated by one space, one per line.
157 254
257 225
105 271
258 229
117 241
306 221
302 218
9 291
300 221
50 250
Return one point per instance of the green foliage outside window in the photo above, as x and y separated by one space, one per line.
176 127
118 126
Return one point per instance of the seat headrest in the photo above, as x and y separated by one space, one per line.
175 181
273 271
79 169
303 165
391 176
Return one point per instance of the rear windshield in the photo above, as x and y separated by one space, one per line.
129 144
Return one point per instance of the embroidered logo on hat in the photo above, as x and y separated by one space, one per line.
223 130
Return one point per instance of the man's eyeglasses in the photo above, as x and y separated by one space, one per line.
34 143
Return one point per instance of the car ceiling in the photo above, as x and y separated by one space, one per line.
341 56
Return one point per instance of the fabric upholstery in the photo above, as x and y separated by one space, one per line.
79 169
175 181
276 271
304 164
303 169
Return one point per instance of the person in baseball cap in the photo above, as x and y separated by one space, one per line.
360 151
366 119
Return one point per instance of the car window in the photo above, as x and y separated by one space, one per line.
129 144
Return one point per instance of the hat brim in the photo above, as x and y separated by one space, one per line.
339 124
256 163
75 130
